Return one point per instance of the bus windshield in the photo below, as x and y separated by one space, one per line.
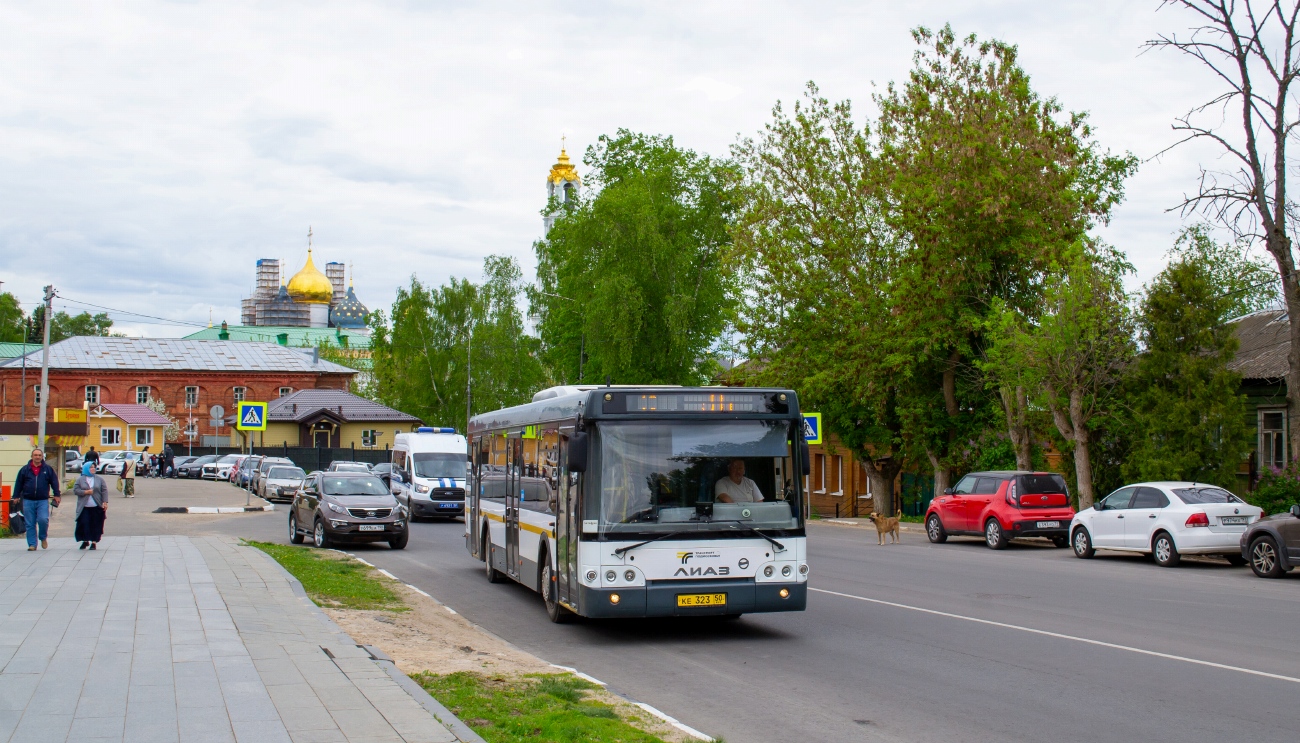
439 464
695 476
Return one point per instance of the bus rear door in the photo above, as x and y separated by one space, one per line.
514 483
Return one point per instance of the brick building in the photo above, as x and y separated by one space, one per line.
189 376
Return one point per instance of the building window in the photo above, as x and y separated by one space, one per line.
836 480
191 396
239 393
370 438
36 390
92 394
1272 439
144 437
286 391
110 436
141 395
819 473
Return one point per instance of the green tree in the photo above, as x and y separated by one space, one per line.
816 261
64 326
1248 284
422 357
634 274
12 319
1186 405
1074 355
989 184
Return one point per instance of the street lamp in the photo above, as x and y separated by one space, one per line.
582 344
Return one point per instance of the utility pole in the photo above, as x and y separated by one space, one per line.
469 372
45 368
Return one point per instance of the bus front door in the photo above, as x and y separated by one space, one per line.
514 482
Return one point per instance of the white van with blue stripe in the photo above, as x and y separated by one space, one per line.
429 467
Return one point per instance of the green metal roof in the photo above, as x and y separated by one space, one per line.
14 350
309 337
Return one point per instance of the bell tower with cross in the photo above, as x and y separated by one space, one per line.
563 185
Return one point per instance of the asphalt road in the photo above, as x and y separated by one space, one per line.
921 642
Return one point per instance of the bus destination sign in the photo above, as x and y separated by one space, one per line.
701 402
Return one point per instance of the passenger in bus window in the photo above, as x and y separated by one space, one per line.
735 487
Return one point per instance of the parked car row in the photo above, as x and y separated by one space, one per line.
1165 520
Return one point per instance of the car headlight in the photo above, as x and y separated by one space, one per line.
421 488
336 508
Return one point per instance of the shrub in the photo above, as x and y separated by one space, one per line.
1278 490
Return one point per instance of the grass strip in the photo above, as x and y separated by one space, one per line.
544 708
333 580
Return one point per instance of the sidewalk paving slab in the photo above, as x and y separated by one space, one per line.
192 640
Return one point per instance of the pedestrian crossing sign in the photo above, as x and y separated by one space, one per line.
812 428
252 416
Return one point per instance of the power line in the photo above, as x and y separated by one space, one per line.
165 320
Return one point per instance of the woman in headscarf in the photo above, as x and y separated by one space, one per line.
92 505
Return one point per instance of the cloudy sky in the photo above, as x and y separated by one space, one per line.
151 152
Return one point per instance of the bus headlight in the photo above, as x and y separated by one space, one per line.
784 593
591 576
767 571
613 599
786 571
629 575
610 576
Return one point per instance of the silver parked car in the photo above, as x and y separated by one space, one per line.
282 482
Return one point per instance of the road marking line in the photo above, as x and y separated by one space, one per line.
385 572
671 721
422 593
1058 635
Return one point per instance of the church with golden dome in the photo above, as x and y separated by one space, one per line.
308 299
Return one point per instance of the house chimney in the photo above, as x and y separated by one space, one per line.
315 356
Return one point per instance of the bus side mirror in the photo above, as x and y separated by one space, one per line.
578 452
806 463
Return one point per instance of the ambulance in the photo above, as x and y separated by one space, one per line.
429 468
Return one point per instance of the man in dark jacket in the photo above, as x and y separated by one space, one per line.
169 461
33 486
92 457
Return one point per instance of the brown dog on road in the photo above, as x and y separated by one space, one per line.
886 525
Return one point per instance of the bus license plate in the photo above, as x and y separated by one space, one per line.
1049 524
372 527
701 599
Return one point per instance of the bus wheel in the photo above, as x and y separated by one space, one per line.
493 575
550 589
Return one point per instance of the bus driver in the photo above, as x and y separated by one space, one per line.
735 487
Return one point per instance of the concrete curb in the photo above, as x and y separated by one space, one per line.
213 509
418 693
440 713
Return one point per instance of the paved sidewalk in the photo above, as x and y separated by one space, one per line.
179 639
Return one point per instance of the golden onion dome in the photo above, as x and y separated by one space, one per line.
563 170
310 286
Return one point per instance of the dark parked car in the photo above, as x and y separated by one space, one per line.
384 471
1272 544
347 507
247 469
194 467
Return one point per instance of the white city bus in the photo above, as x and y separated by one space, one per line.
613 501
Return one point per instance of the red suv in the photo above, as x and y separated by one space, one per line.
1001 506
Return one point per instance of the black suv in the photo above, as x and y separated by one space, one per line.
1272 544
347 507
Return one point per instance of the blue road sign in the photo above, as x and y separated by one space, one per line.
252 416
812 427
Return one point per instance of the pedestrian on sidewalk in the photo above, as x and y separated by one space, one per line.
128 478
92 506
92 457
33 485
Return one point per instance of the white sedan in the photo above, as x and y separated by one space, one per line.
1165 520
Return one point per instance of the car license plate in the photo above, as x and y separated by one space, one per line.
1049 524
701 599
1233 520
372 527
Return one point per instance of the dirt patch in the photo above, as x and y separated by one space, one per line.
429 638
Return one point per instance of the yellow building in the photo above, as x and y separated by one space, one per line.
327 418
124 426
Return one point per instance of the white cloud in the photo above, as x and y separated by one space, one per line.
152 152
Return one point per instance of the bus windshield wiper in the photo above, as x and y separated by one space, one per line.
622 550
779 547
